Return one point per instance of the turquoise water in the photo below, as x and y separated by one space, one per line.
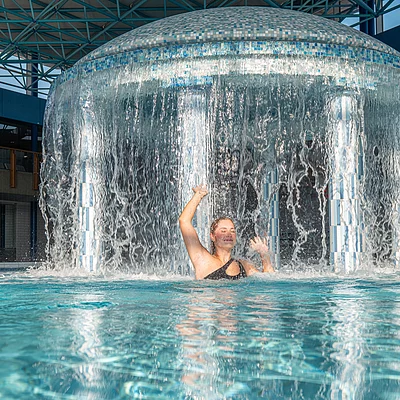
276 338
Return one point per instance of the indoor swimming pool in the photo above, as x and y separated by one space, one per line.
280 337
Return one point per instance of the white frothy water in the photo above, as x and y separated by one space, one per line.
140 145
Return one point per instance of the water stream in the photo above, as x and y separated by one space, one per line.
302 150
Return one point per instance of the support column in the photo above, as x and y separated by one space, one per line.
368 26
13 169
34 128
363 22
195 145
89 247
271 193
372 21
344 203
379 25
396 235
34 137
34 147
33 80
395 256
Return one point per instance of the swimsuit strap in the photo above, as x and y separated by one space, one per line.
241 267
227 264
220 273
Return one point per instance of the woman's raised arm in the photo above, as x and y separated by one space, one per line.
194 248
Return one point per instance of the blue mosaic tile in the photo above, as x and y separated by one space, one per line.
219 34
314 52
238 24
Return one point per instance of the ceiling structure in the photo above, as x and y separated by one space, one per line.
41 38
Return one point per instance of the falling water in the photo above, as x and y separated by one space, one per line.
124 147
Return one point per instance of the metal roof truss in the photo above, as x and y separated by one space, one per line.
38 39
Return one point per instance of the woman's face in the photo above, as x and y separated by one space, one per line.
224 235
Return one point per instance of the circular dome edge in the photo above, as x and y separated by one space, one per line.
253 24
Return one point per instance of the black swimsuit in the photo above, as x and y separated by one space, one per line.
220 273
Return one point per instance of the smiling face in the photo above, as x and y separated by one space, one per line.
223 234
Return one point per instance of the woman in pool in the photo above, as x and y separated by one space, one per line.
218 264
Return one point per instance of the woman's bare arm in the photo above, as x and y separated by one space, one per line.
189 234
260 246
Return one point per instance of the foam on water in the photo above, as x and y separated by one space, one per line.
286 273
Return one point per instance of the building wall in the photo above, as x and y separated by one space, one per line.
16 229
9 226
24 184
21 119
390 37
23 234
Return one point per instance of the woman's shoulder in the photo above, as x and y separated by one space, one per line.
205 263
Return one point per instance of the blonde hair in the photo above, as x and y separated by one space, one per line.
214 227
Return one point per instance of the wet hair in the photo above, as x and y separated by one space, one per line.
214 227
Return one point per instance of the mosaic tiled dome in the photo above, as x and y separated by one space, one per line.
239 24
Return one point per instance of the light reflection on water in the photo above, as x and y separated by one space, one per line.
280 338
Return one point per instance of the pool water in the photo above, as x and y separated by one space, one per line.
275 338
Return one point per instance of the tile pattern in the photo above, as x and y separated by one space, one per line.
344 203
234 31
89 254
270 189
238 24
199 62
396 235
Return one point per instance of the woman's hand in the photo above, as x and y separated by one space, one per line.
201 190
259 245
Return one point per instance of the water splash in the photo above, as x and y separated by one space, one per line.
124 147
